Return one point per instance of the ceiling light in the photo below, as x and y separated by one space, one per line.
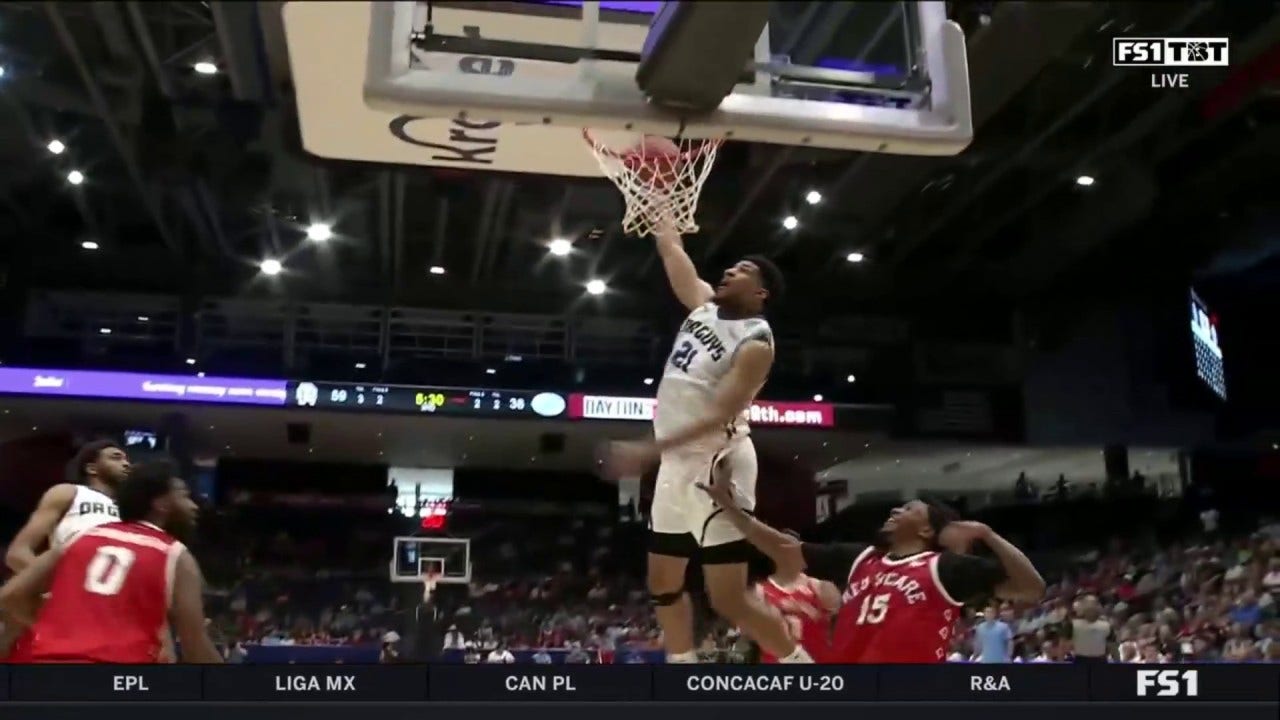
104 331
436 270
360 366
271 266
56 147
560 247
596 287
1084 180
75 177
490 371
205 68
319 232
200 374
850 379
143 318
89 245
1 71
648 381
813 197
191 361
817 398
790 222
855 257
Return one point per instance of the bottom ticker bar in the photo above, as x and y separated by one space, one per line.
638 683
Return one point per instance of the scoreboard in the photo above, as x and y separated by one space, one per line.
750 691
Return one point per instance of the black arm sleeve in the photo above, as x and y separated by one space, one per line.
831 561
968 578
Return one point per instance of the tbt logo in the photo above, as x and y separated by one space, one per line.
1168 683
1170 52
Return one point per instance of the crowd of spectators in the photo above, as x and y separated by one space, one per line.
1209 602
572 590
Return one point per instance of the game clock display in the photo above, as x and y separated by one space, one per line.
448 402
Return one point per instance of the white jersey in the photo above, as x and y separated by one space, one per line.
701 356
88 510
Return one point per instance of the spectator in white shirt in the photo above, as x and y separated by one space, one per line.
500 656
453 640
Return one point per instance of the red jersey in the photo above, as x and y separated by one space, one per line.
801 606
109 597
894 611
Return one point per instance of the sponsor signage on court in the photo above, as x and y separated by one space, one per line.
761 412
141 386
951 682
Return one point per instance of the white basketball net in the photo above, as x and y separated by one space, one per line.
659 189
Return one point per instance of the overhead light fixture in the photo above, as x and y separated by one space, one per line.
648 381
271 266
104 331
205 68
75 177
813 197
143 318
200 374
790 222
1 71
596 287
89 245
490 371
191 361
360 366
850 379
1085 180
436 270
560 247
56 147
817 398
319 232
855 257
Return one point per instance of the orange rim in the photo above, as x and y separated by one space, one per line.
685 155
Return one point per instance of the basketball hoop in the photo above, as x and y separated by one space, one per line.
660 180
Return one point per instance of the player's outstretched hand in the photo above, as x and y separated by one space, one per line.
959 536
721 493
618 460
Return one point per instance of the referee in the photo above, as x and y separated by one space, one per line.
1092 637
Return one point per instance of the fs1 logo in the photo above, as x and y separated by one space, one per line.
1170 52
1168 683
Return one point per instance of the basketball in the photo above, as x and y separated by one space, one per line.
655 161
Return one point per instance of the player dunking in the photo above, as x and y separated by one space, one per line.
64 511
806 604
114 589
903 593
720 359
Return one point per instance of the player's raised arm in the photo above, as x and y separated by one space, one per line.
690 290
187 613
35 534
20 597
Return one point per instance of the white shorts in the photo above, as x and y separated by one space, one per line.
679 507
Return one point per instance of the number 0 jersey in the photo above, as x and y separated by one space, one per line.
701 356
109 597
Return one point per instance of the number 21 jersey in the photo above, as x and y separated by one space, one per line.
109 597
701 356
894 610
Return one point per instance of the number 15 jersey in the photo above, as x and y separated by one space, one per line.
109 597
701 356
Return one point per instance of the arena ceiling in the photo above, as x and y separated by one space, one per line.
190 179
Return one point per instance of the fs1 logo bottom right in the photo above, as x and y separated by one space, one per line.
1168 683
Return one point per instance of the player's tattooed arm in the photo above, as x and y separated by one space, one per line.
35 534
20 597
1011 577
187 613
690 290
